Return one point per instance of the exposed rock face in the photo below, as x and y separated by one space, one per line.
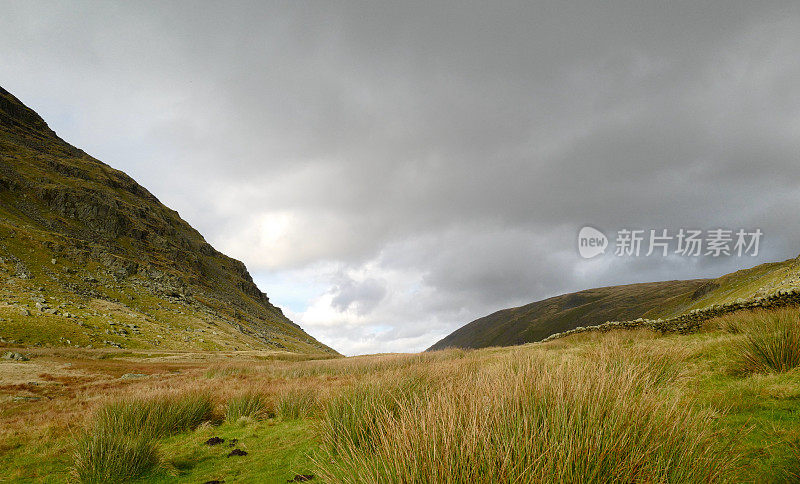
58 201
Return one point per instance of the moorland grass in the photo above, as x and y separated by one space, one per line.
352 418
155 416
106 457
222 371
770 340
297 403
121 444
248 405
528 421
623 406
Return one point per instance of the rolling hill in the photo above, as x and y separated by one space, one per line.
90 258
538 320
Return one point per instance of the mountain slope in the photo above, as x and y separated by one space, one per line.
90 258
538 320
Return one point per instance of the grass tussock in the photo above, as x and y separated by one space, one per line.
112 457
121 443
770 340
297 403
248 405
154 417
525 421
352 419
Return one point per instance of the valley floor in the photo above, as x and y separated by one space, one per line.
625 406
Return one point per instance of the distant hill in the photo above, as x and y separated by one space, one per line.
88 257
538 320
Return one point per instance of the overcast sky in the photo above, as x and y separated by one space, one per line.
390 172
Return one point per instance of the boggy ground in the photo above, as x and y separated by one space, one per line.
629 406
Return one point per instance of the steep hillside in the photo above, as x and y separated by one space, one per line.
538 320
90 258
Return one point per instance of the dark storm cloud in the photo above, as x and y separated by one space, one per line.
422 164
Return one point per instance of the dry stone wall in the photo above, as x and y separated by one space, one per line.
692 320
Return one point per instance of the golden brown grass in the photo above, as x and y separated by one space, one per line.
525 419
592 407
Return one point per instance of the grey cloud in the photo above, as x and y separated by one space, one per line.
362 296
445 152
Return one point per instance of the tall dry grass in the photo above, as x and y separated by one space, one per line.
353 417
587 411
526 419
222 371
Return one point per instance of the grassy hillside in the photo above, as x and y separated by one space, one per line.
757 281
538 320
623 406
90 258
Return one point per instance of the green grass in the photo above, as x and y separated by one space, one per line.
277 451
761 410
746 283
296 403
111 457
156 416
770 340
40 457
121 444
249 405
